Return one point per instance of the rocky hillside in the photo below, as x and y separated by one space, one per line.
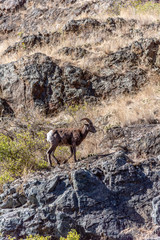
37 81
61 60
102 197
53 55
105 196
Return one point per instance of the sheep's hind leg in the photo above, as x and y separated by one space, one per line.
71 149
50 150
74 152
56 160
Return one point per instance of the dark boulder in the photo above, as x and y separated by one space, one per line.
100 202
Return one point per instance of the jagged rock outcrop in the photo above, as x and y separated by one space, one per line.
137 139
48 13
79 25
11 5
100 201
38 82
156 210
28 42
77 52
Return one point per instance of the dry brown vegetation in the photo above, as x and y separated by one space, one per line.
126 110
140 233
141 108
123 111
99 43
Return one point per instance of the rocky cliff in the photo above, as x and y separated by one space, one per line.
100 201
74 61
102 197
37 81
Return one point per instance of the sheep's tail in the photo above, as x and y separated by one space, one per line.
50 136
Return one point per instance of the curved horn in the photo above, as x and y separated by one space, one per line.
88 120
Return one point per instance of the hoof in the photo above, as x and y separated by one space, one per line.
64 161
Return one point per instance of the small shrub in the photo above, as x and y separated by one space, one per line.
23 45
148 7
76 108
38 237
31 237
20 34
138 5
72 235
24 151
5 177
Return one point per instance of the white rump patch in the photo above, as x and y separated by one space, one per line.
50 136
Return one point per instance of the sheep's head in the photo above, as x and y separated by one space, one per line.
89 125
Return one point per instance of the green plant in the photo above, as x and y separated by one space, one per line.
20 34
23 45
37 237
24 151
5 177
148 7
110 126
72 235
138 5
31 237
74 108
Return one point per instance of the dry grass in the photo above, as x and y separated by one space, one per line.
97 51
140 233
142 107
123 111
7 43
143 18
98 42
128 13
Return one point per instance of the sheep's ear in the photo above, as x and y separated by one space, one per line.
87 125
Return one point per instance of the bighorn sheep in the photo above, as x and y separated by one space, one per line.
68 136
